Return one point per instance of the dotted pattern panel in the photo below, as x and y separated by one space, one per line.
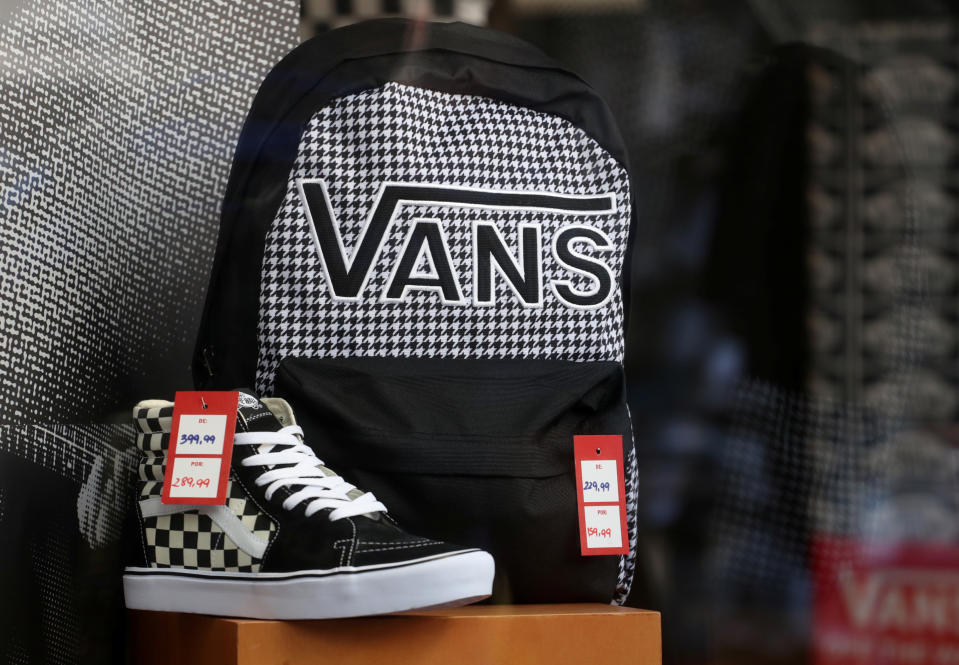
322 15
117 128
118 122
98 458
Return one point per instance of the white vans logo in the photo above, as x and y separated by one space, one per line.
426 240
247 401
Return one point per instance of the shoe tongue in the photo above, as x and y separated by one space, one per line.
253 415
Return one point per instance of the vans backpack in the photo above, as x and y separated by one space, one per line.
421 248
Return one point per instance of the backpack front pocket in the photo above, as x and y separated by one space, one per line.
475 452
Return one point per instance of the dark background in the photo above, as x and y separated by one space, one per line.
792 353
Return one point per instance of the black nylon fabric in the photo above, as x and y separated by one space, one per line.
514 418
455 58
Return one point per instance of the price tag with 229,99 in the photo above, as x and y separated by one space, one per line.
600 494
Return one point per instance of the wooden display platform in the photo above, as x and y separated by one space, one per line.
478 634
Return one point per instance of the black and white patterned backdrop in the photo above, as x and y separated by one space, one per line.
117 127
321 15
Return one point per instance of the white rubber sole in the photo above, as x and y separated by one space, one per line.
448 580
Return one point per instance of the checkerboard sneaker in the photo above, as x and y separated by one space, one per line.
294 540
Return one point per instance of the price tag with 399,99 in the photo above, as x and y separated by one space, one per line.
201 447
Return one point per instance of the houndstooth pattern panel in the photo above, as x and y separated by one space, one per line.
627 562
430 137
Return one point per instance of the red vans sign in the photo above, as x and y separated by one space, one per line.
885 604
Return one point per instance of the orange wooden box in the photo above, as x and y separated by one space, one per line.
487 634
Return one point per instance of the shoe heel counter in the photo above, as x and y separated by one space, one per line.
153 441
152 427
134 551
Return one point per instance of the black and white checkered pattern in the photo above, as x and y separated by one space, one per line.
153 438
152 421
193 541
424 136
189 539
258 522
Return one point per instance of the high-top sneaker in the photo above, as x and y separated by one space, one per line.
294 540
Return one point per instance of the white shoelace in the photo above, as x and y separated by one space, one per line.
296 465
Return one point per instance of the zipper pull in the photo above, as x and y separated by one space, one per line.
207 362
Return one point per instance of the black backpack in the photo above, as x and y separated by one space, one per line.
422 248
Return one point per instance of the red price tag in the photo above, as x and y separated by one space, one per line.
601 494
201 447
